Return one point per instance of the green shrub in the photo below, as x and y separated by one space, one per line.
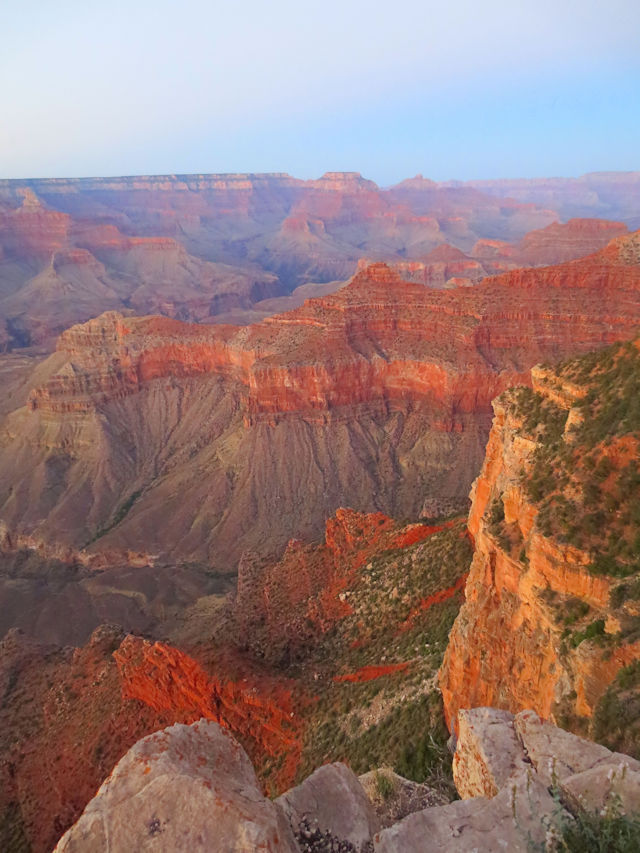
591 632
384 786
608 831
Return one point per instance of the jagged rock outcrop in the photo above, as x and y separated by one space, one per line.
551 612
494 748
258 709
180 785
184 788
380 393
77 711
520 780
310 582
477 824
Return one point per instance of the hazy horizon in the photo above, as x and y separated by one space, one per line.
313 177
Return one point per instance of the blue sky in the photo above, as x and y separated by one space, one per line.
453 90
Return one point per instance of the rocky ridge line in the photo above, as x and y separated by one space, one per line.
193 788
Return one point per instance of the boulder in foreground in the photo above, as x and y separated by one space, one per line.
186 788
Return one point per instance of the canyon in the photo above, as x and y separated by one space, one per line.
377 396
76 711
266 524
211 248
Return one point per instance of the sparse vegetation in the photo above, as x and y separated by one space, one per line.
586 484
121 513
616 721
393 720
384 786
607 831
592 632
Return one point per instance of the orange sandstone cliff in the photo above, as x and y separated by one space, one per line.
552 614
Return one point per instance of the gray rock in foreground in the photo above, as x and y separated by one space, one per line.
512 772
510 821
186 788
192 788
333 801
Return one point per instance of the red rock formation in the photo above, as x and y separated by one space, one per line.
324 355
156 238
371 672
309 583
576 238
430 600
68 716
32 230
45 290
258 710
63 725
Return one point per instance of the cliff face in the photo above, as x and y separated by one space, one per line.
447 266
551 615
377 396
258 709
564 242
75 712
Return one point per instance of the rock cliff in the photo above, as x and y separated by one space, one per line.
258 709
564 242
447 266
551 613
380 392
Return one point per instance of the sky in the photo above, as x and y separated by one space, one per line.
451 89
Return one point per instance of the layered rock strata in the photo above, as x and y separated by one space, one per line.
198 246
380 393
